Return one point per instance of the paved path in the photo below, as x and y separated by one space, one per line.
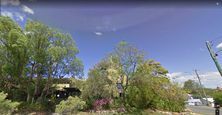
203 110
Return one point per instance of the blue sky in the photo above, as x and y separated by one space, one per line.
172 35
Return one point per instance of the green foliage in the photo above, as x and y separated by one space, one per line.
155 92
31 57
78 83
26 107
145 83
217 95
173 100
191 86
45 106
7 106
71 106
13 51
101 82
149 88
96 84
126 58
34 58
210 92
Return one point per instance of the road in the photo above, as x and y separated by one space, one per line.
203 110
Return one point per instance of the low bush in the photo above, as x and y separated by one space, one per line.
101 104
70 106
36 107
156 93
7 106
168 105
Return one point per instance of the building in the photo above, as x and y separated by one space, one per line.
63 91
195 102
192 101
209 100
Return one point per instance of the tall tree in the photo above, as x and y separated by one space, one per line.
33 56
14 54
53 55
191 86
127 58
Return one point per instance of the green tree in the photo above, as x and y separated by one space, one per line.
150 88
126 59
145 82
14 55
30 58
191 86
217 95
101 82
98 84
53 54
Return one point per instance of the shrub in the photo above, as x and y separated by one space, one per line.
155 92
70 106
168 105
45 106
217 95
100 104
7 106
96 87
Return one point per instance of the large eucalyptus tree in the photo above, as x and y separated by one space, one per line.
31 57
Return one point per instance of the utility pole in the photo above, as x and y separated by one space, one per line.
213 56
198 77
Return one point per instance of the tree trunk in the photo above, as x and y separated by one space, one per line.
29 97
47 86
37 87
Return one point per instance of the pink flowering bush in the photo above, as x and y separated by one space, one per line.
100 104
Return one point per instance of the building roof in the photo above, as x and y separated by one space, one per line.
209 99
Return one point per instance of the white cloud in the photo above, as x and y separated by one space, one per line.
174 74
18 12
208 79
19 17
7 14
10 2
98 33
27 9
13 15
219 46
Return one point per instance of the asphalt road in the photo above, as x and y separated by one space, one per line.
203 110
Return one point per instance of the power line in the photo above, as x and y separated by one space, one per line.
198 77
